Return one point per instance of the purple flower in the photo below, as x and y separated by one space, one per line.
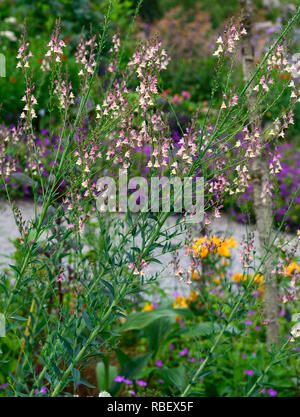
192 360
251 313
248 372
161 381
176 294
254 354
257 329
272 392
42 391
119 378
128 381
4 386
132 393
159 363
171 347
184 352
244 355
141 383
248 322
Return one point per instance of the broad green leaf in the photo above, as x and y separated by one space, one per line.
143 319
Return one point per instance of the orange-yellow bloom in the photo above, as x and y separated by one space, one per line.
148 307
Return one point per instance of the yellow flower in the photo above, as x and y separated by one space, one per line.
203 246
193 296
148 307
195 275
181 302
216 240
258 280
291 268
217 281
200 247
223 249
237 277
232 242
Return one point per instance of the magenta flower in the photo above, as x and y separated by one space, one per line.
119 378
42 391
161 381
244 355
159 363
272 392
186 94
141 383
171 347
4 386
248 322
257 329
248 372
184 352
132 393
192 360
251 313
127 381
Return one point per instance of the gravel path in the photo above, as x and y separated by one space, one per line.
222 227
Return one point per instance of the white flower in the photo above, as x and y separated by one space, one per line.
104 394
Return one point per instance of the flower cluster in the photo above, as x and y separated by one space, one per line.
86 58
55 51
232 36
142 62
258 280
23 54
214 245
63 90
183 302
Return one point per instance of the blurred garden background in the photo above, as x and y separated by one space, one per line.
151 347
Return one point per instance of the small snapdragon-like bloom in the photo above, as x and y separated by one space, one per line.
23 54
55 49
86 58
63 90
